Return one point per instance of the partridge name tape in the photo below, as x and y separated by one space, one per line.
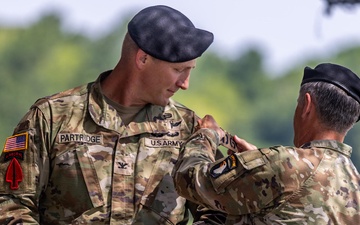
77 137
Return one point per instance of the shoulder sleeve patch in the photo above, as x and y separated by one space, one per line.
16 142
224 172
224 166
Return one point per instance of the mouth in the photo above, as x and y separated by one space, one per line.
171 92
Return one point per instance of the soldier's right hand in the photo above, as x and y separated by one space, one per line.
243 145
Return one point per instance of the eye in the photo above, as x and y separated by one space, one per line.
183 69
179 70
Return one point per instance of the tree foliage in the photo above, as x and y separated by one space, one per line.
246 100
348 4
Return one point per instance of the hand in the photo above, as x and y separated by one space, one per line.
243 145
209 122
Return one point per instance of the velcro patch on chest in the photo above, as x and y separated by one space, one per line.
224 166
78 137
124 165
160 143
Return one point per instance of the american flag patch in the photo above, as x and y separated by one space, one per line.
16 142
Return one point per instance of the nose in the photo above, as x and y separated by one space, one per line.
183 83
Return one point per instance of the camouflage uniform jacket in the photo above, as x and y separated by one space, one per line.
316 184
82 165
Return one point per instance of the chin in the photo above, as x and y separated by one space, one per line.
162 103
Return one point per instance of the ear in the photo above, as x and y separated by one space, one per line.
308 107
141 58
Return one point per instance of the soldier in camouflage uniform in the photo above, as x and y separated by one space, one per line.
314 182
103 153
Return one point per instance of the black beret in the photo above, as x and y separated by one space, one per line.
168 35
334 74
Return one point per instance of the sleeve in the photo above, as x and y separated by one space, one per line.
24 169
241 183
203 215
206 216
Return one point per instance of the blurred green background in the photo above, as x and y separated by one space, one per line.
43 58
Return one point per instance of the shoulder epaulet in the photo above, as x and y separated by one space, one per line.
80 90
179 105
184 108
40 101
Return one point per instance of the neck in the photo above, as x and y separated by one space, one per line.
329 135
320 134
120 86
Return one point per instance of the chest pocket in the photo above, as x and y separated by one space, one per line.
90 176
159 196
156 160
74 170
225 171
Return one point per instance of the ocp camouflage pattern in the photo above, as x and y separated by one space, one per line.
313 185
84 166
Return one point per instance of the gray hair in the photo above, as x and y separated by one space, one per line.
336 109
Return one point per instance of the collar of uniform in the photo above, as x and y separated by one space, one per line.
332 144
157 120
103 114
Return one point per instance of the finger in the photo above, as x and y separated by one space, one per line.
239 143
243 145
199 124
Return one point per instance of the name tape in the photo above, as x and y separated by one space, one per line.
77 137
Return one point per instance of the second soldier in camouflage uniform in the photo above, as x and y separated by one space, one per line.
102 153
314 183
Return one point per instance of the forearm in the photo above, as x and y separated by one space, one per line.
196 155
222 184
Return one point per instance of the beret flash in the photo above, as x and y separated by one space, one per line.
168 35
